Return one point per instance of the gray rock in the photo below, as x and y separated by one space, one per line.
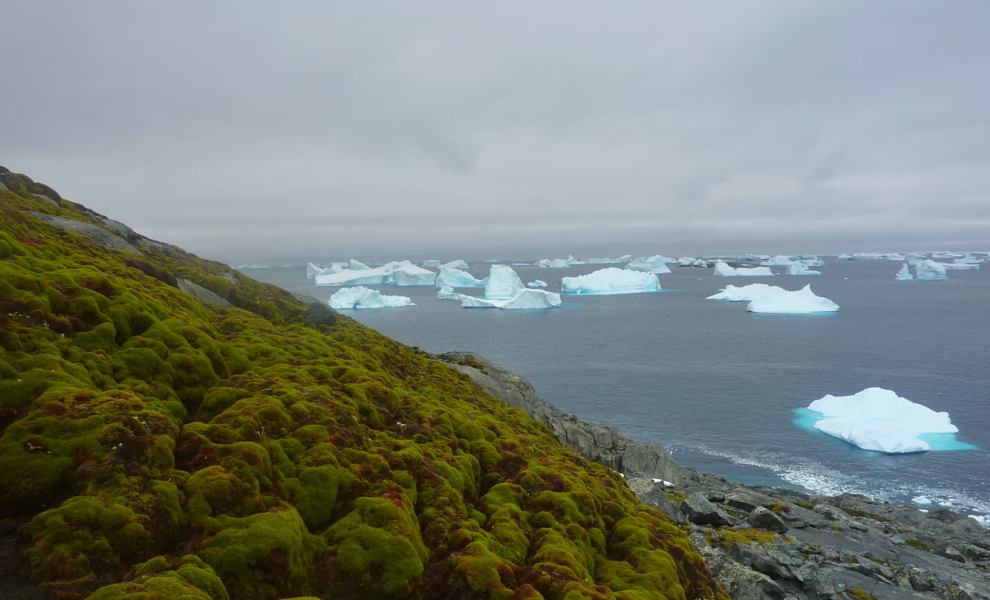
3 188
95 232
653 494
319 313
594 441
952 554
305 298
746 501
201 293
761 518
156 245
118 227
45 198
741 583
700 511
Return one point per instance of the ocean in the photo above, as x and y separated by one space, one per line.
720 387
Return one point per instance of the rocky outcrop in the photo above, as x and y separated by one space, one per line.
594 441
95 232
700 511
319 313
201 293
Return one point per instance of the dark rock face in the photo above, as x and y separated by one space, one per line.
152 270
201 293
762 518
700 511
653 494
594 441
99 234
318 313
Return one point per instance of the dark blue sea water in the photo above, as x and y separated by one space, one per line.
718 386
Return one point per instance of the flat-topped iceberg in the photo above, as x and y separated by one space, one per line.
457 278
904 274
556 263
654 264
958 266
393 273
539 283
803 301
524 300
503 283
608 261
929 270
969 259
455 264
746 293
611 280
724 270
362 297
878 419
798 267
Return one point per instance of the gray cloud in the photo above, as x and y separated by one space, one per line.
263 132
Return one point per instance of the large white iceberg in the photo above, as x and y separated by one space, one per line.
413 275
724 270
503 283
313 270
746 293
878 419
611 281
798 267
929 270
525 299
904 274
457 278
539 283
393 273
362 297
455 264
358 266
803 301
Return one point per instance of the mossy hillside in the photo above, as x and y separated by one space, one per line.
184 450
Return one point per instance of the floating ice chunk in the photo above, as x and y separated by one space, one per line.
362 297
537 284
640 264
383 275
573 261
503 283
922 500
929 270
904 274
412 275
745 293
313 270
982 520
944 255
358 266
457 278
455 264
448 293
525 299
431 264
799 268
969 259
724 270
846 257
958 266
777 261
803 301
611 280
556 263
878 419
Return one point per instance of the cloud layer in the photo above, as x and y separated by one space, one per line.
262 132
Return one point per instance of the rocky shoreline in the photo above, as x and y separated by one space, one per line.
768 543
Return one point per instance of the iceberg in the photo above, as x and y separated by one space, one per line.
388 274
448 293
929 270
879 420
525 299
457 278
313 270
611 280
431 264
503 283
846 257
358 266
537 284
777 261
413 275
745 293
969 259
608 261
904 274
556 263
362 297
647 265
724 270
944 255
803 301
799 268
958 266
455 264
573 261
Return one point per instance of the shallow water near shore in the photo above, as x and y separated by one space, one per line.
718 386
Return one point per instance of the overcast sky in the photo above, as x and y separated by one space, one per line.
293 131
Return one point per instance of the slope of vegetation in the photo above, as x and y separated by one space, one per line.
167 448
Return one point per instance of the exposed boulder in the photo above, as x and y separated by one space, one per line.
318 313
152 270
95 232
762 518
201 293
741 582
700 511
653 494
45 198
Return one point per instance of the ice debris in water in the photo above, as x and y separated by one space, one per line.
611 280
539 283
503 283
745 293
880 420
922 500
457 278
780 301
524 299
724 270
362 297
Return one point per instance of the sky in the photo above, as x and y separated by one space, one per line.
316 131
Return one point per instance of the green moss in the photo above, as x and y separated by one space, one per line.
856 594
919 545
726 538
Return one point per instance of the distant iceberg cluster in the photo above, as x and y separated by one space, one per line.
799 267
362 297
722 269
505 290
879 420
538 283
611 280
